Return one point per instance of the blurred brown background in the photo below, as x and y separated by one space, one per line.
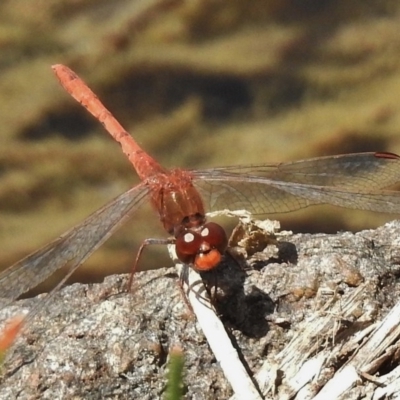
199 83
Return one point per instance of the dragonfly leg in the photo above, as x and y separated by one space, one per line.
210 281
183 278
145 243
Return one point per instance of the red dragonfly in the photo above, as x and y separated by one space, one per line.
181 197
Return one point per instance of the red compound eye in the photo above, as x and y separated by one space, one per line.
187 245
213 246
215 236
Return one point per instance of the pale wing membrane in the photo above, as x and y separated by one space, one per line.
361 170
258 198
377 201
73 247
347 180
265 196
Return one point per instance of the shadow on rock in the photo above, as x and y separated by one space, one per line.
241 307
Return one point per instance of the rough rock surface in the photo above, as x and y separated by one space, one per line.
300 298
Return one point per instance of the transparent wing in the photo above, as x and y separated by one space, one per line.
73 247
350 180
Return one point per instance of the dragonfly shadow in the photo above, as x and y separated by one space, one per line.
240 307
287 253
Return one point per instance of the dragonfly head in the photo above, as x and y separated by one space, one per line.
202 246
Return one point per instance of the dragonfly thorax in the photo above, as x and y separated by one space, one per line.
178 204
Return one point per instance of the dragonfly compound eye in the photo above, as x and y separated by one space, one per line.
215 236
212 247
187 245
